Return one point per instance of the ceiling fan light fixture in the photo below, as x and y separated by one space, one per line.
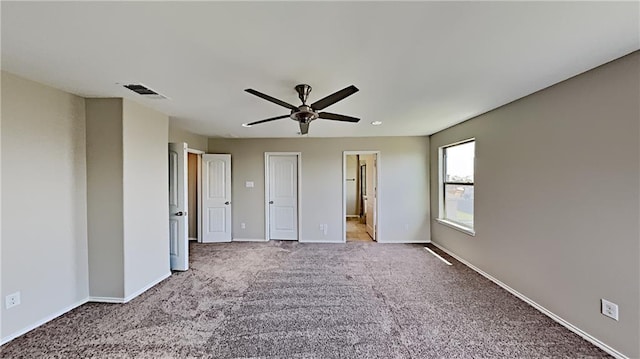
305 114
376 123
246 125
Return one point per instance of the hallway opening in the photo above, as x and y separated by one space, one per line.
360 195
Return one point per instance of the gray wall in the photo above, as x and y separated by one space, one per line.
556 207
72 170
128 203
146 201
404 186
196 142
105 197
44 232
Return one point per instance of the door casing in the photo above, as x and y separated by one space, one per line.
267 183
377 192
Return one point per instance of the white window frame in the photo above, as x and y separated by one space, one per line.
441 192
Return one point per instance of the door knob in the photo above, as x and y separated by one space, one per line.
270 202
227 203
181 213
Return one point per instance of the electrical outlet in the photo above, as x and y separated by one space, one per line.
326 228
322 227
243 225
12 300
609 309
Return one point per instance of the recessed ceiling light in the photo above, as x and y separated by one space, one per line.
376 123
246 125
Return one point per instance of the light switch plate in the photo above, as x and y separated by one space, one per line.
248 184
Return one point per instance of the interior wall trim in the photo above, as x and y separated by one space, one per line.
249 240
119 300
588 337
42 321
146 287
53 316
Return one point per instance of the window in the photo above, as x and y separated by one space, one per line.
456 190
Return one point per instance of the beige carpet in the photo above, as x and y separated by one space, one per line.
291 300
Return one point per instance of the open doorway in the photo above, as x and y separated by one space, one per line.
360 195
194 188
192 185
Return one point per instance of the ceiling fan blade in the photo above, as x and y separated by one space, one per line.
334 97
267 120
336 117
304 128
272 99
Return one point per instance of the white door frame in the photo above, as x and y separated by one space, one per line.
267 156
199 187
344 191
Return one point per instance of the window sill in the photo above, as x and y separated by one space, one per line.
456 226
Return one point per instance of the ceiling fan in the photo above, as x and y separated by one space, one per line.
304 113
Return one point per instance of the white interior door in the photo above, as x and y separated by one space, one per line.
216 198
178 216
283 197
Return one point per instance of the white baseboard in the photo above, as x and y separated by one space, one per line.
322 241
193 239
49 318
352 216
129 297
540 308
106 299
146 287
46 319
404 242
249 240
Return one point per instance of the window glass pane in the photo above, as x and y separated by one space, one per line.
458 204
459 162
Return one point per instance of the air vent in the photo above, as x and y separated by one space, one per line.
143 90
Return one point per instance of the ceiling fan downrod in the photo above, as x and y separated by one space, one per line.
303 92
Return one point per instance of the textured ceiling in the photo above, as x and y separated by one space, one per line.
420 66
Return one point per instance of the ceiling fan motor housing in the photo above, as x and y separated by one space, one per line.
304 114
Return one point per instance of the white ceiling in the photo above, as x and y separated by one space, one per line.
420 66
